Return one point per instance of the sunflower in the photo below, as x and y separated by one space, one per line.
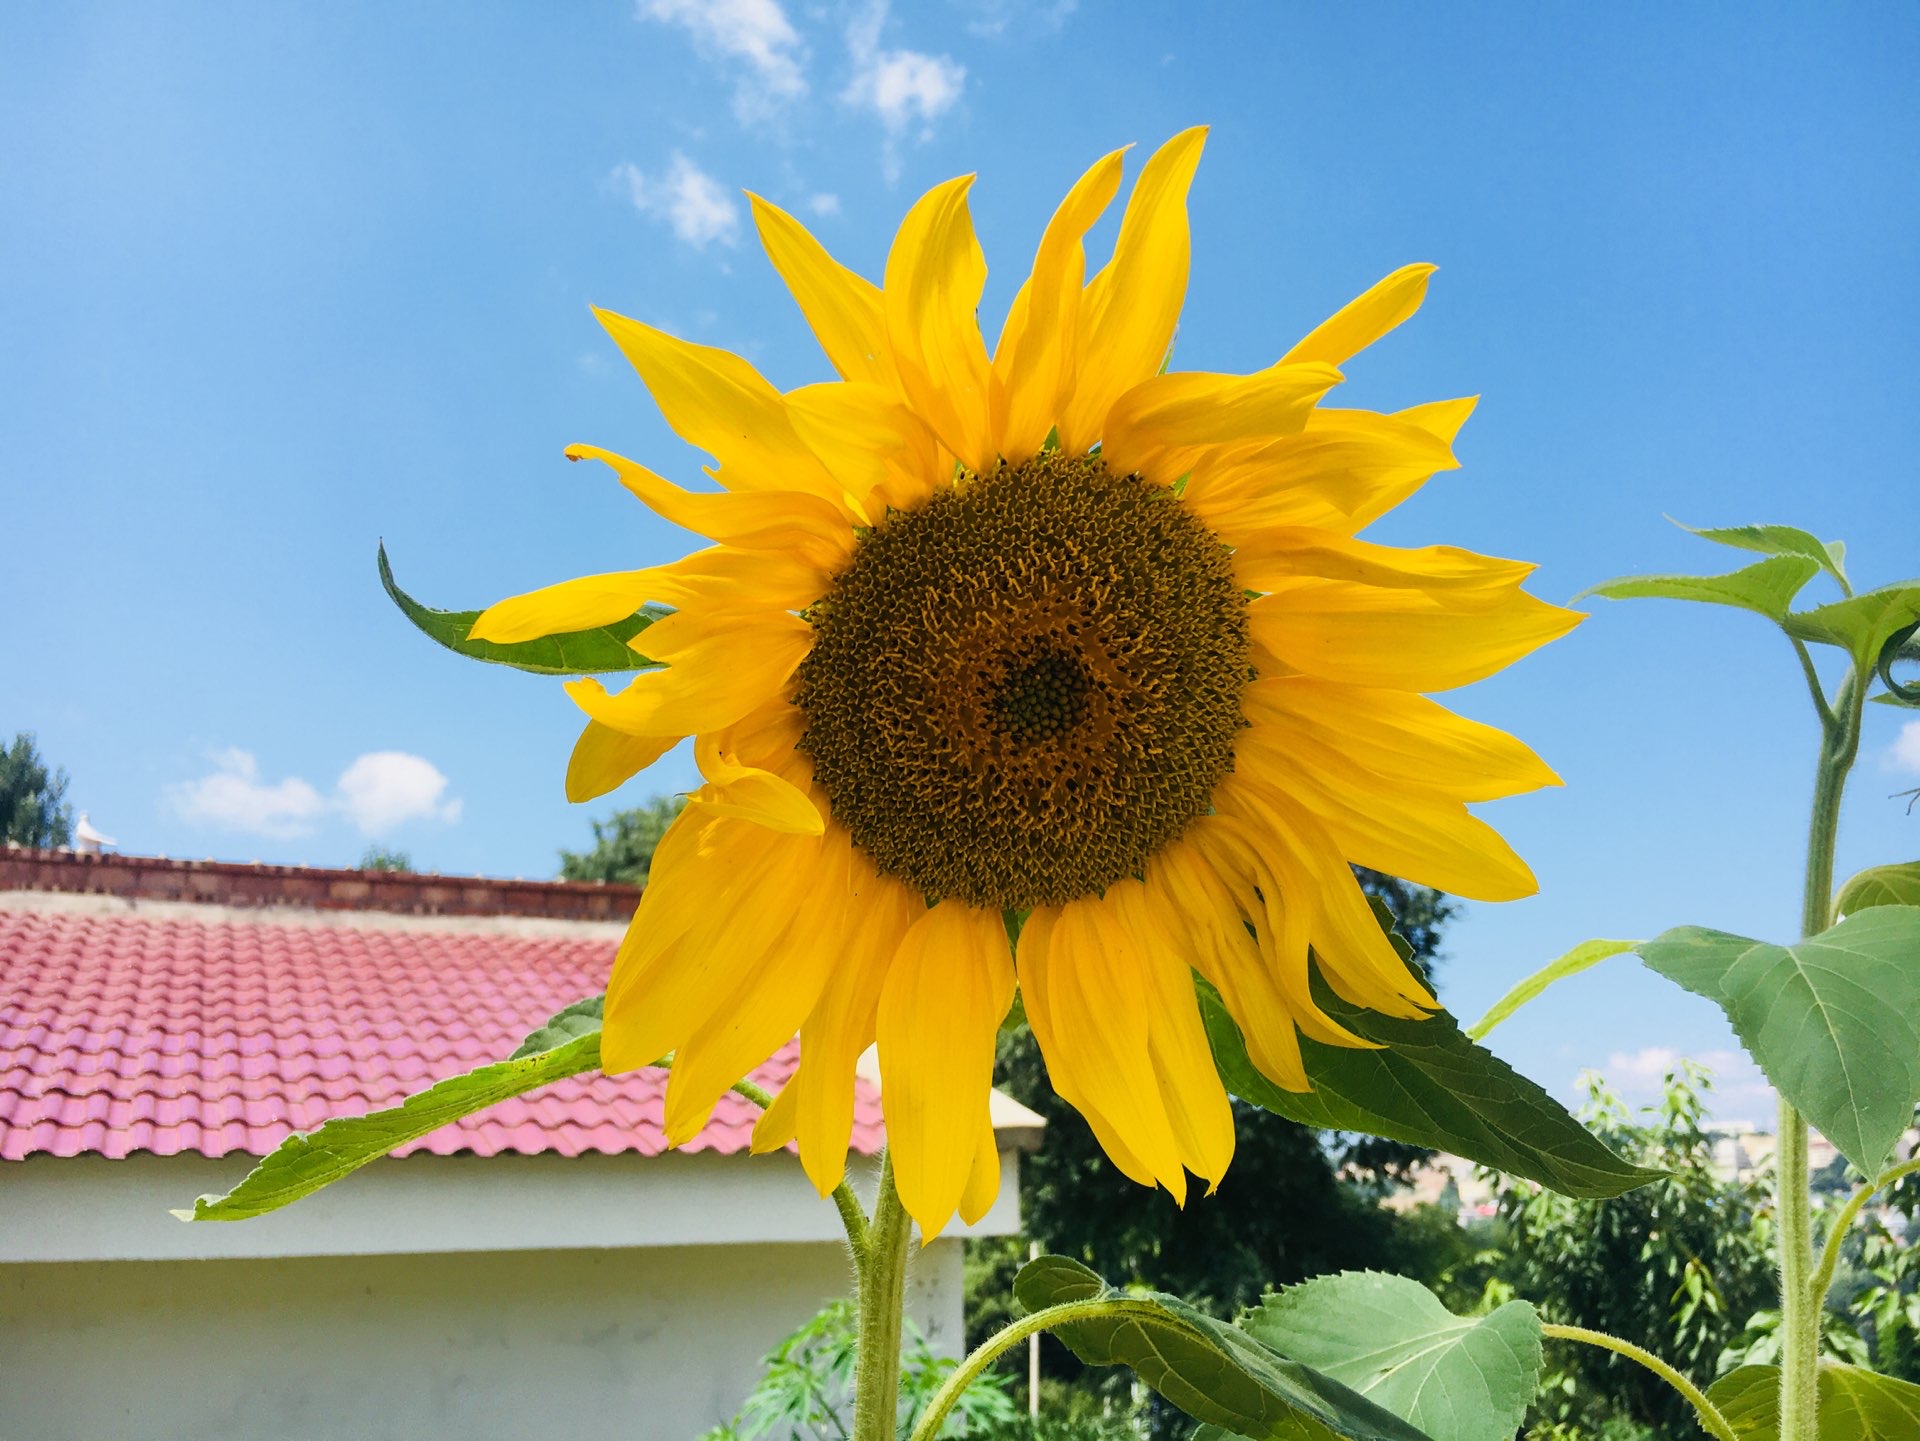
1051 643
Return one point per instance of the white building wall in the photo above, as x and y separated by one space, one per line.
651 1344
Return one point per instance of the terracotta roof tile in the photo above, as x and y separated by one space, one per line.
125 1033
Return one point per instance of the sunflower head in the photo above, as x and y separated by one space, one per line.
1050 631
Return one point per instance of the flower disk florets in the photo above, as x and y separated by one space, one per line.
1019 692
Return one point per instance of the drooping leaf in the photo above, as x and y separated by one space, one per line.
1860 625
1214 1372
599 651
1880 886
1829 555
1767 586
1458 1378
1854 1404
1429 1086
1580 958
1833 1021
302 1164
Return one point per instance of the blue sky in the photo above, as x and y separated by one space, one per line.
276 282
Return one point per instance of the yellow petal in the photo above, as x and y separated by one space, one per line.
1363 320
945 996
1343 470
794 522
1034 364
603 759
843 1022
1429 839
712 907
1282 553
843 308
1130 309
582 604
1404 738
753 794
776 1126
1400 639
775 990
716 401
869 442
983 1180
1097 1005
1189 1084
721 664
935 273
1163 427
1035 985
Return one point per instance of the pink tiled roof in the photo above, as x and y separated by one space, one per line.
124 1033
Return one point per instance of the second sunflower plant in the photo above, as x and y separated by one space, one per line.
1047 675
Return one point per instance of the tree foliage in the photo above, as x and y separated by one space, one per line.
385 858
33 805
623 844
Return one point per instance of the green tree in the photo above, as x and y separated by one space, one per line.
1677 1267
33 806
623 844
385 858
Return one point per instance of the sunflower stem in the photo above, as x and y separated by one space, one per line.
882 1265
1800 1301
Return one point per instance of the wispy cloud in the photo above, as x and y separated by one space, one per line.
698 208
753 38
903 87
1904 753
1024 19
377 792
824 204
1738 1085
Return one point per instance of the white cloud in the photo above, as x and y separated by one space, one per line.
234 798
1738 1085
1027 19
755 36
1904 753
697 207
378 791
824 204
383 789
900 86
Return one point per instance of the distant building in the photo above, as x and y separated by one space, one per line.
544 1265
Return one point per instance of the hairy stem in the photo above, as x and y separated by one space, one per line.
848 1204
882 1261
1800 1303
1837 1235
1005 1339
1711 1420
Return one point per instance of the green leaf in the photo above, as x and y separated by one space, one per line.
1829 555
1834 1020
302 1164
599 651
1429 1086
1582 956
582 1018
1880 886
1854 1404
1212 1371
1768 586
1458 1378
1861 624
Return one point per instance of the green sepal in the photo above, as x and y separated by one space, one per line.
1214 1372
1458 1378
600 651
1854 1404
1767 587
565 1045
1833 1021
1829 555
